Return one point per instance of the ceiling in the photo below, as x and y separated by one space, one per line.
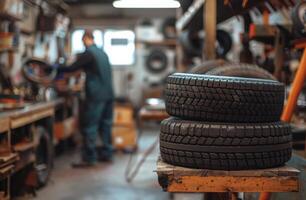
103 9
74 2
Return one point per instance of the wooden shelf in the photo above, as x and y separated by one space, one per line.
25 160
169 42
23 146
4 125
6 171
9 17
13 49
8 157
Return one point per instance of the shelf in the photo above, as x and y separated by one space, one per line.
9 157
4 124
12 49
25 160
5 172
169 42
9 17
23 146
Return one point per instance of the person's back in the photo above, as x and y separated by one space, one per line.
98 105
99 80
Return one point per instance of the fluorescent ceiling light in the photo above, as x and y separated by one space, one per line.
146 4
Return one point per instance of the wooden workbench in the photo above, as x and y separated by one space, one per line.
152 114
30 113
14 157
180 179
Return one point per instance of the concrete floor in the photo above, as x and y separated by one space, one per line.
104 181
107 182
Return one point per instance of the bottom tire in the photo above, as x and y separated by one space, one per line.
44 156
224 146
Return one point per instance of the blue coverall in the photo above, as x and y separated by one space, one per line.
98 109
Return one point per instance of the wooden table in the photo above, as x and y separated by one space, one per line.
152 114
180 179
149 114
30 113
21 154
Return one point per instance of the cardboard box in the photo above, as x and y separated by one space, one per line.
123 115
124 137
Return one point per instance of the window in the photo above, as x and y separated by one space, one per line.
120 46
77 44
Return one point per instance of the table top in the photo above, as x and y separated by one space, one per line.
33 107
152 114
180 179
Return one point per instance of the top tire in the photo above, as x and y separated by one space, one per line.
223 99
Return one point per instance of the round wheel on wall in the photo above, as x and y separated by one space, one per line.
298 16
241 70
225 146
44 155
224 43
225 99
157 61
38 71
193 41
168 28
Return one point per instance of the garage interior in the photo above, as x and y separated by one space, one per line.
205 100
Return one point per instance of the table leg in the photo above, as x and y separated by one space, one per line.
234 196
217 196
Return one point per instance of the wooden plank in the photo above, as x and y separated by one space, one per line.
180 179
164 168
4 124
6 158
147 114
168 42
6 171
210 26
233 184
25 159
28 118
23 146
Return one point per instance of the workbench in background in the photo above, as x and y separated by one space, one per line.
20 129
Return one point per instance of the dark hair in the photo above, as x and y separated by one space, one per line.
88 33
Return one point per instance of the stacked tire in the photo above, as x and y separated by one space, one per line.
224 123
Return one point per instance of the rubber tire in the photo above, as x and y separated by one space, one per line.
190 42
223 99
298 23
48 79
44 147
193 44
169 23
241 70
225 43
221 146
207 66
157 54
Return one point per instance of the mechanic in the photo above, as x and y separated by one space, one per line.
98 109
